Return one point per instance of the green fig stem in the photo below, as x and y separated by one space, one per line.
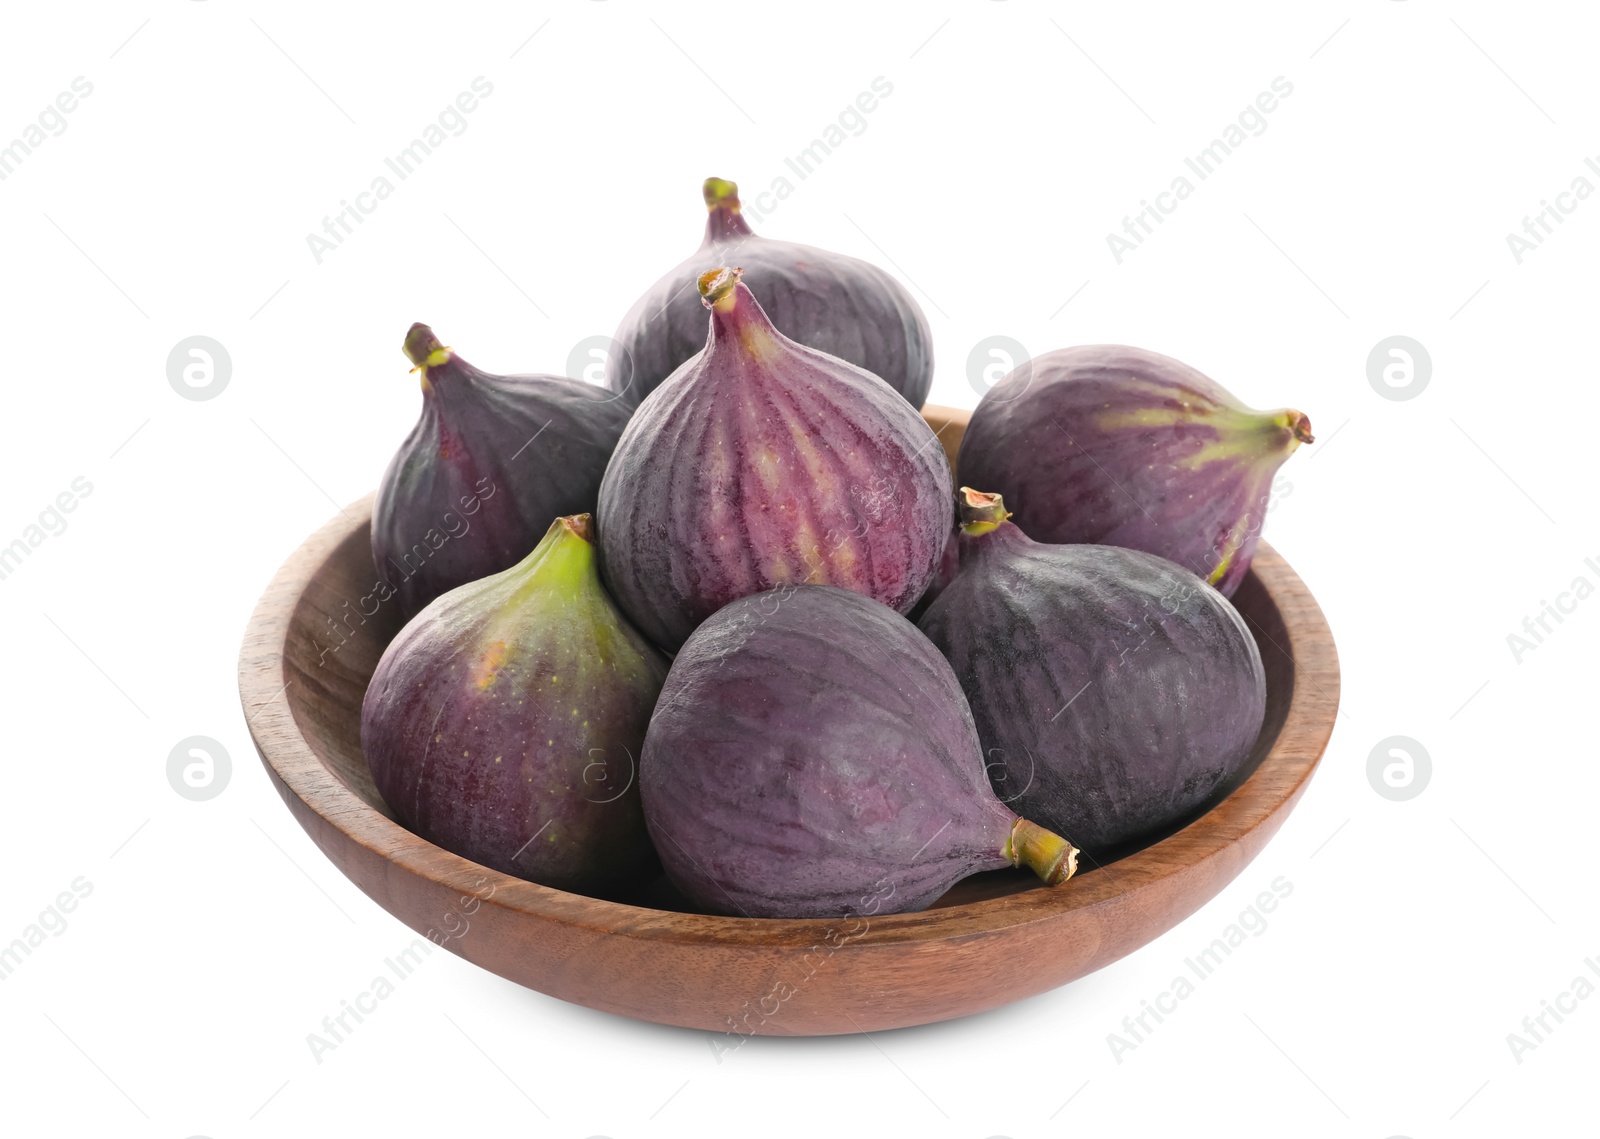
718 288
724 218
979 513
1299 424
721 194
1046 853
423 349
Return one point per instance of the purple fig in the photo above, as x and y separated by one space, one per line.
766 463
1113 690
490 462
949 566
811 755
505 722
1124 447
827 301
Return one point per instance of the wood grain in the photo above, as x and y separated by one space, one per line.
316 637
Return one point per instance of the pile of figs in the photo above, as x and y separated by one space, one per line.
730 615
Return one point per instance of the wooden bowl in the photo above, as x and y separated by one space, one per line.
315 639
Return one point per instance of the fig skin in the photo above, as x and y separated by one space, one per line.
811 755
505 722
766 463
827 301
943 575
1114 691
1124 447
491 460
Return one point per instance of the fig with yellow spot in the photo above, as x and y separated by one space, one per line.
1125 447
763 463
472 729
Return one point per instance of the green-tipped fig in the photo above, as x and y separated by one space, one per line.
505 722
1124 447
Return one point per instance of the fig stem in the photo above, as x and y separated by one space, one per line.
721 193
423 349
580 524
724 219
717 288
1046 853
979 512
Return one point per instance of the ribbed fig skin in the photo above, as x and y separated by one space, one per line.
1113 691
1125 447
949 565
811 755
765 463
827 301
491 462
505 723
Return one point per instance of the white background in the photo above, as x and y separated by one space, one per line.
1018 135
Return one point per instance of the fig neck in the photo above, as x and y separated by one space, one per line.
1296 425
1263 438
562 564
1223 430
1004 538
737 319
724 218
446 379
430 357
983 526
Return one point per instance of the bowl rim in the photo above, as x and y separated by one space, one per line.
264 685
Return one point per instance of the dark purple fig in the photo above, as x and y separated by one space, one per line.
766 463
505 722
1113 690
827 301
1124 447
491 461
812 756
